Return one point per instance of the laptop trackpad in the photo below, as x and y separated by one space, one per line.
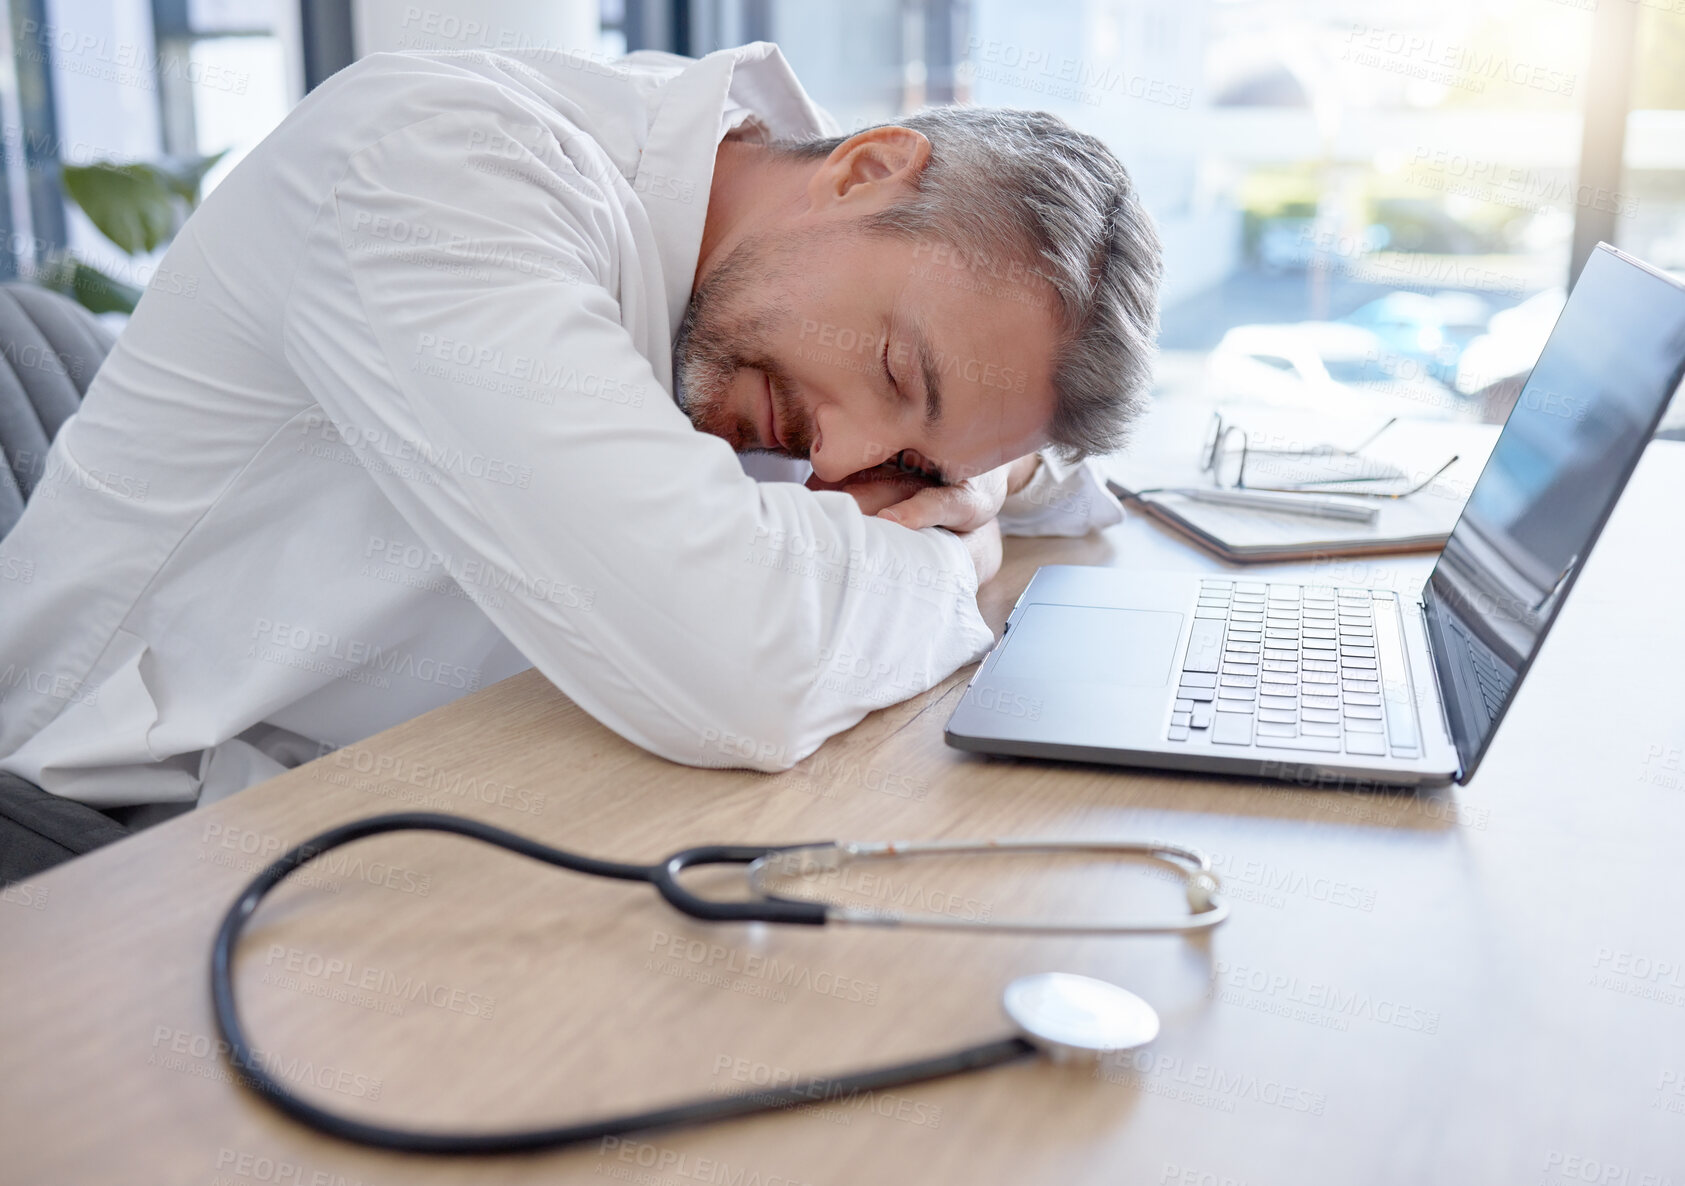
1088 644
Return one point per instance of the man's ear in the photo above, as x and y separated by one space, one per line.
870 166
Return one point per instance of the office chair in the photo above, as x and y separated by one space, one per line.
50 348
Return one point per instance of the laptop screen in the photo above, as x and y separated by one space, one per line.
1587 412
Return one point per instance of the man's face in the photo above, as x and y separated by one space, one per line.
852 349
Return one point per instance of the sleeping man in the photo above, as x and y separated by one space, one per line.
637 373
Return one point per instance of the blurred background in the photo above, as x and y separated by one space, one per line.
1364 204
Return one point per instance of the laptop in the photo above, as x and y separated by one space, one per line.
1269 677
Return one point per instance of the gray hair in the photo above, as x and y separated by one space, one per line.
1062 208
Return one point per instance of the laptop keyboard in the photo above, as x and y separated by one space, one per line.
1296 667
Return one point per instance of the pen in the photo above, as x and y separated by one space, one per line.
1307 505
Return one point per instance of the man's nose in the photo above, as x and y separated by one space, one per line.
843 447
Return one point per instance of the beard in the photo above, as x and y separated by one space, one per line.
728 327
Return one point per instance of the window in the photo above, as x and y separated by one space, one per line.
1410 174
226 75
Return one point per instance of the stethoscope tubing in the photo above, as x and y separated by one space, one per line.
249 1066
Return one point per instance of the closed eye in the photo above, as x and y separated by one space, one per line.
908 461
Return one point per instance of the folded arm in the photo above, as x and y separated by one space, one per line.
1038 494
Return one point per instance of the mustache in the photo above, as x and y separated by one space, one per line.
793 422
728 327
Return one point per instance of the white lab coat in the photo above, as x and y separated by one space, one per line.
394 420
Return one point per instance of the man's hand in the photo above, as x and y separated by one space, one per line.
984 545
893 493
965 505
875 489
967 508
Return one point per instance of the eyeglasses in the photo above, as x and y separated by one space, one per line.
1228 451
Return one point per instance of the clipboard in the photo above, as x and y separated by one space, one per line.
1419 523
1245 537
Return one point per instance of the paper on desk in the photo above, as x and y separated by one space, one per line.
1169 457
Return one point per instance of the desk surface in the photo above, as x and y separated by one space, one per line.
1480 986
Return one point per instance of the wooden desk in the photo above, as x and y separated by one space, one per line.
1483 986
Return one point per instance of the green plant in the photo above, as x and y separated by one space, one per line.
139 206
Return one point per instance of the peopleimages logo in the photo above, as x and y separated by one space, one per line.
1639 975
348 974
361 655
1573 1167
53 473
781 1082
1424 56
647 1163
833 558
1275 879
834 772
478 573
1314 1000
1012 704
541 375
21 893
1526 188
1076 79
244 848
432 784
1205 1085
58 685
256 1167
890 896
387 450
79 51
204 1057
720 961
880 351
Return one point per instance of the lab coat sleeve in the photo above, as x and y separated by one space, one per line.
1061 498
464 320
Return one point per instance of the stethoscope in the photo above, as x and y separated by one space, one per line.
1056 1013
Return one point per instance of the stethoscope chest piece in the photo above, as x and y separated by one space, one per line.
1067 1015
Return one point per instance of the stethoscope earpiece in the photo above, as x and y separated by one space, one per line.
1202 891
